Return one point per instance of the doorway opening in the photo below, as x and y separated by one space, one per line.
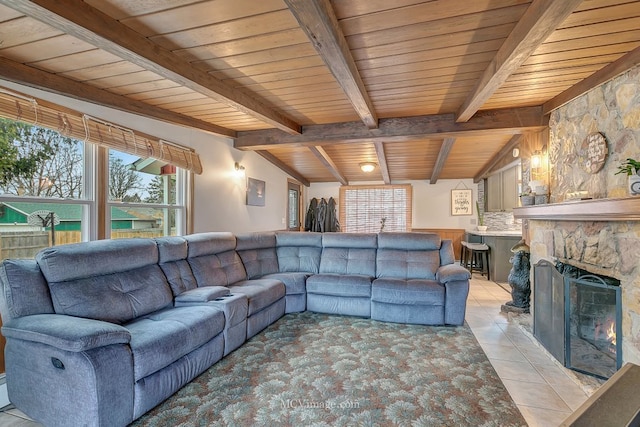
293 206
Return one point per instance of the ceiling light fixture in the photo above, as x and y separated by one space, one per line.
367 167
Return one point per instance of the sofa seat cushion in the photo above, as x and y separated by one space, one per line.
295 283
163 337
347 285
408 292
260 292
201 295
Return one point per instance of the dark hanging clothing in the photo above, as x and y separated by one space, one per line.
331 222
310 218
321 216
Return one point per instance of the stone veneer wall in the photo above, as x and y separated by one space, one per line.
609 248
612 109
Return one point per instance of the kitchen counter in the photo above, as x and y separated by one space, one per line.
496 233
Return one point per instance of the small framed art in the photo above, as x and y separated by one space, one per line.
256 192
461 202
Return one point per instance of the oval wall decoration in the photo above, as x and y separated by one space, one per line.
593 153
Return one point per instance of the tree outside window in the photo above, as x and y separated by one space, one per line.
39 162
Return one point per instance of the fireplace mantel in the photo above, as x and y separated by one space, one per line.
623 209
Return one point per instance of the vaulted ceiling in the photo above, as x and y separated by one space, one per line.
427 89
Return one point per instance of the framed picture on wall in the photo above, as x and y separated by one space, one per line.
461 202
256 192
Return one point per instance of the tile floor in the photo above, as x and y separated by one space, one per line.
544 391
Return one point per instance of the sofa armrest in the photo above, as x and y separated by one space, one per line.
67 333
201 295
452 272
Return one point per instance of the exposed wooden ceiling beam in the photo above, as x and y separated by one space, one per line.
284 167
86 23
445 149
382 161
538 22
601 76
504 151
319 22
329 164
507 121
32 77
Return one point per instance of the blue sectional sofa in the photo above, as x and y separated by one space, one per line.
98 333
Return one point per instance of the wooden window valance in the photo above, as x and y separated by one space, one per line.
18 107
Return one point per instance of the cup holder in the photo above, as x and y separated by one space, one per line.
223 297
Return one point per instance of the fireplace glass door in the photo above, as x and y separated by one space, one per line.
593 326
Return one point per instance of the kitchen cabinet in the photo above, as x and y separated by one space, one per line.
502 190
500 243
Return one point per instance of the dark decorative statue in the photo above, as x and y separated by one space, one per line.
519 279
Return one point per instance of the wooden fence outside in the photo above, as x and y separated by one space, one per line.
26 244
22 244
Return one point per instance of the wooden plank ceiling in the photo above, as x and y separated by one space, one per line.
427 89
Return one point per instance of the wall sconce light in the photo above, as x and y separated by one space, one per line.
239 169
367 167
538 157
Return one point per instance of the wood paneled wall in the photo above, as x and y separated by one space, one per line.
454 234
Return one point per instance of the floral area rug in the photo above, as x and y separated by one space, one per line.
310 369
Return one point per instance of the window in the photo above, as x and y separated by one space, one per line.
54 188
44 198
375 208
146 197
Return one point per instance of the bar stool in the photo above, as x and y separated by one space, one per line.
477 258
463 254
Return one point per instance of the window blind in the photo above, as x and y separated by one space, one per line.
83 127
375 208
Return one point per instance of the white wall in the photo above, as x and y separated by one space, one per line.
431 203
219 193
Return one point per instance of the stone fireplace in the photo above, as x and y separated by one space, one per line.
601 237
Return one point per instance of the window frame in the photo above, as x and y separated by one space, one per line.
342 206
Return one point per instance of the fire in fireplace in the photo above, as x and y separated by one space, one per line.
593 326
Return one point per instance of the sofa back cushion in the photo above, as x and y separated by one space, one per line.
111 280
349 253
213 259
24 289
408 255
258 253
172 252
298 251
